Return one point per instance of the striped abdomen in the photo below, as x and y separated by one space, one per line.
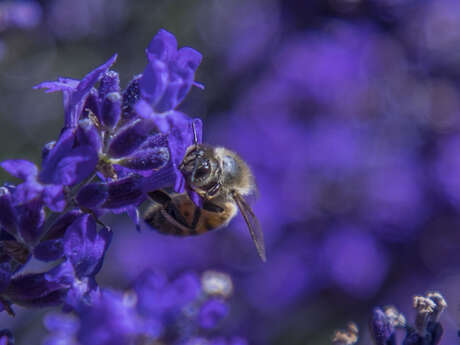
182 217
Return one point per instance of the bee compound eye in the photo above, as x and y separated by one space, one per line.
203 170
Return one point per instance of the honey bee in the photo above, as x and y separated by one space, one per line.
222 180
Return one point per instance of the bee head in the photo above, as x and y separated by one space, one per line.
201 169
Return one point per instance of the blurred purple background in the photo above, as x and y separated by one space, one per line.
348 111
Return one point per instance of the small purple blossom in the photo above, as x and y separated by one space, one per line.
212 313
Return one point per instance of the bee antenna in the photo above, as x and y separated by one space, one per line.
195 138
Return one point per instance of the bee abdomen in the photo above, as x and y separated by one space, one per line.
184 218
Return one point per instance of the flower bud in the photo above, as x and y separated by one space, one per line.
148 159
130 137
110 82
111 109
92 195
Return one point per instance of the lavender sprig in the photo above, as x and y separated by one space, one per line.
384 323
115 146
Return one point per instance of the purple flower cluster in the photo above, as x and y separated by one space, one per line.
115 146
426 329
386 321
187 310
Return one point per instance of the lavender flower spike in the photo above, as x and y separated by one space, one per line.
75 93
169 74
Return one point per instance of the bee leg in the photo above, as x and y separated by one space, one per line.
211 207
170 208
160 197
214 189
196 218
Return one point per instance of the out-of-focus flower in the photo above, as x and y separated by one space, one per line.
436 40
249 30
75 20
156 309
427 328
6 338
344 250
212 312
19 14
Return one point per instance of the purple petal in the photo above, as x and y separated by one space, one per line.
86 292
27 192
169 74
59 227
105 237
130 137
41 289
92 105
111 109
169 98
187 61
186 288
179 185
30 218
144 109
124 192
50 250
147 159
78 98
62 275
163 46
133 213
59 322
131 97
62 148
110 320
93 195
110 82
181 76
155 140
67 165
88 135
54 198
7 212
154 80
195 197
162 178
20 168
84 246
77 166
181 134
212 313
63 84
47 149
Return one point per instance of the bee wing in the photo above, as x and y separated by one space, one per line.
253 225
